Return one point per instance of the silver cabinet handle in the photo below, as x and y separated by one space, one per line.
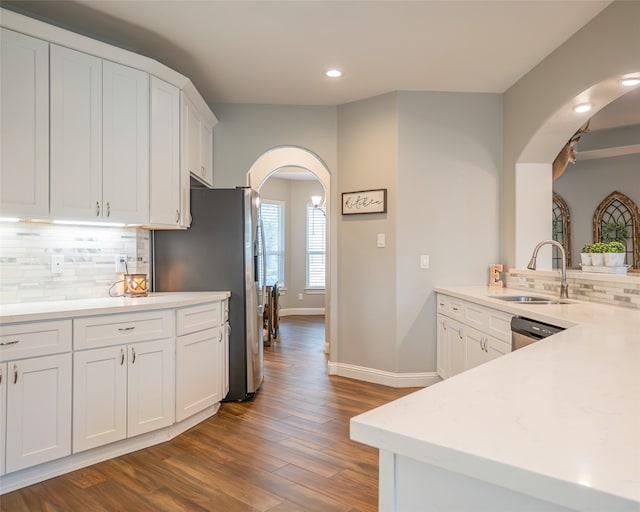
202 171
441 303
228 328
121 356
0 376
444 325
460 332
455 309
123 329
15 374
108 210
133 355
6 343
97 208
220 337
177 216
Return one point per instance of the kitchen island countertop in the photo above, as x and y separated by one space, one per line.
52 310
558 420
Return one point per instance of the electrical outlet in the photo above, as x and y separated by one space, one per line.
121 265
300 297
522 281
57 264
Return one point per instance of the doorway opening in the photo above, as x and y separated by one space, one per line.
287 178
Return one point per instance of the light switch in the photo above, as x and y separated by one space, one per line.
381 240
424 261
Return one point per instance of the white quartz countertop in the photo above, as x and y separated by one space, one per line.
558 420
52 310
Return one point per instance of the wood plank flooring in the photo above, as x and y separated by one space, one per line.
287 450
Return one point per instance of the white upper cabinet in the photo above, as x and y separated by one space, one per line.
99 139
197 143
165 205
76 135
24 132
125 171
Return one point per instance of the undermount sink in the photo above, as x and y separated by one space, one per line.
527 299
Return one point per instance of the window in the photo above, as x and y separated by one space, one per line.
316 244
272 213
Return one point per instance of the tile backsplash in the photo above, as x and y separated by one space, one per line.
89 260
611 289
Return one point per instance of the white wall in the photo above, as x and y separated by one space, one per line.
448 195
584 185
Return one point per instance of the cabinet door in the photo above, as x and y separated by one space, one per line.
442 363
125 171
99 397
192 139
164 169
38 411
151 386
197 379
476 347
457 349
3 415
206 147
76 135
24 132
497 348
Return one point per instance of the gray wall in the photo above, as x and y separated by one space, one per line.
606 47
367 158
450 160
296 194
584 185
245 131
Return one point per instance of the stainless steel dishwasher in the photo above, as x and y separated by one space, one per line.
525 331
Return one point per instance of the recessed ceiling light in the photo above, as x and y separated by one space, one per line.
334 73
582 107
631 81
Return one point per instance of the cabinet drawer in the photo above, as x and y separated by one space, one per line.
455 308
441 304
107 330
489 321
18 341
198 318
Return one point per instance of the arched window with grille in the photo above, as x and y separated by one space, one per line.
618 218
561 230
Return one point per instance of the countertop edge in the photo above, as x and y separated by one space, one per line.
55 310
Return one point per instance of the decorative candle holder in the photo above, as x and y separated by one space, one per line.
135 285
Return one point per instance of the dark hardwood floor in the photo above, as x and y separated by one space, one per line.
287 450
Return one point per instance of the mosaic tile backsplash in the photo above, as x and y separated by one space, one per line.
89 260
616 290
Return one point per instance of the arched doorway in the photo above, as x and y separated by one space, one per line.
293 156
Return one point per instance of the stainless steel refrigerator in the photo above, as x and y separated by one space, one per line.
222 250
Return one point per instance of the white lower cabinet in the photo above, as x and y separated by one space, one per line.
224 360
469 335
38 410
197 375
122 391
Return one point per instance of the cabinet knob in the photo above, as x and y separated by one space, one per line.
202 171
15 374
121 356
108 210
133 355
0 375
97 208
460 332
177 216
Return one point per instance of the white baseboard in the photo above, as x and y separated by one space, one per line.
301 311
395 380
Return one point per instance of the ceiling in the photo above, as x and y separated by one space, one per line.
276 52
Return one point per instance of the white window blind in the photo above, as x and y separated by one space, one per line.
316 246
272 213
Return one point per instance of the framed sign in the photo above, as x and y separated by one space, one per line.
364 201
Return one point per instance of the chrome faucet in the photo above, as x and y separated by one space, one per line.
564 287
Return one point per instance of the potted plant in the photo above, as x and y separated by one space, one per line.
597 253
614 254
585 255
